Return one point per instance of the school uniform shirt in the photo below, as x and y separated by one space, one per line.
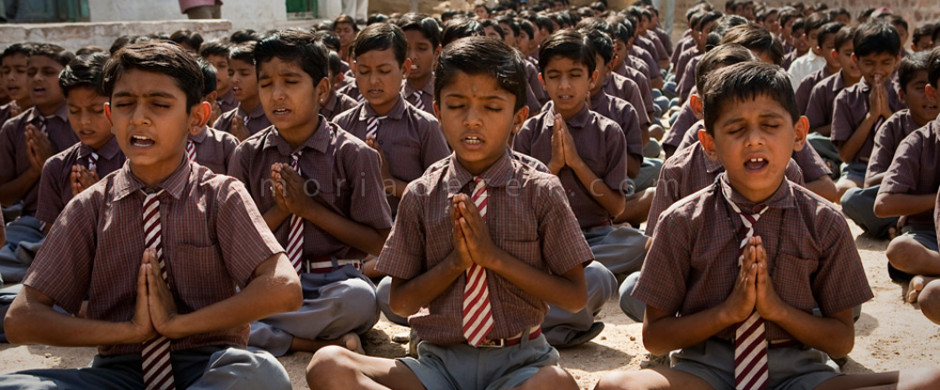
600 143
213 239
810 163
643 86
681 126
227 102
55 184
684 60
685 85
340 171
6 110
527 216
806 87
892 132
691 136
645 55
214 148
658 48
14 155
257 120
532 73
623 113
411 138
804 66
664 38
849 110
624 88
644 42
338 103
634 63
914 169
426 95
692 264
687 172
351 90
684 43
821 99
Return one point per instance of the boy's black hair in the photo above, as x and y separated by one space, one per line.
909 67
299 47
376 17
897 20
925 30
482 56
865 13
336 64
831 28
495 26
525 26
815 22
732 85
210 82
427 26
845 35
620 29
542 21
215 47
708 18
797 26
185 36
449 14
721 28
601 42
55 52
90 49
343 18
788 13
244 52
509 21
876 38
158 57
757 39
83 71
24 48
936 34
568 44
933 67
457 28
720 57
328 37
244 36
381 36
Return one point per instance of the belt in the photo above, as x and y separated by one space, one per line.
326 265
534 333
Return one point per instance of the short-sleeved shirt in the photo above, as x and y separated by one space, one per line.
626 89
658 48
681 47
340 171
691 136
821 100
338 103
914 169
532 74
810 163
849 110
255 120
892 132
806 87
527 216
687 172
600 143
213 239
6 110
411 139
693 265
214 148
14 155
55 184
624 114
227 102
803 66
647 58
643 84
664 38
685 85
351 90
426 95
681 126
684 58
634 63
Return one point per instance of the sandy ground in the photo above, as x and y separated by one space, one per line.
889 335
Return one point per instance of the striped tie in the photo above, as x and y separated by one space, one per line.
191 150
372 128
295 239
419 103
477 312
92 161
155 357
750 336
42 125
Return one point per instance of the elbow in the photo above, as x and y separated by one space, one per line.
881 208
653 345
842 349
17 332
576 303
825 188
401 307
290 294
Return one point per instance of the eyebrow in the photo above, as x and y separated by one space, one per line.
155 94
487 97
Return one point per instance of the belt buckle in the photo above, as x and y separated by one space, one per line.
493 344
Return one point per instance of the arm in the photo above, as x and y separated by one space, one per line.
612 201
894 204
873 180
825 130
275 216
410 295
14 190
824 187
850 147
633 165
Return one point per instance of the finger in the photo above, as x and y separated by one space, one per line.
142 281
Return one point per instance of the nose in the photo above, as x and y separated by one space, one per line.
473 119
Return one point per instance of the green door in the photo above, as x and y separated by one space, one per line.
301 9
44 11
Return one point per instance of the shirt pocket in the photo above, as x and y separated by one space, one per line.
199 276
793 280
528 251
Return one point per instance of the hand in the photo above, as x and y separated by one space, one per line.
462 257
740 304
475 232
38 147
141 323
374 144
291 188
215 111
82 178
769 305
572 158
159 297
558 147
238 128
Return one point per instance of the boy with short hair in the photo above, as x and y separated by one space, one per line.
814 59
95 155
860 110
248 118
26 142
825 44
320 191
478 211
209 147
735 270
858 203
588 154
13 63
216 52
908 190
336 103
424 45
162 303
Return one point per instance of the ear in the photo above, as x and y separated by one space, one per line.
697 105
437 111
854 58
593 79
902 94
321 92
834 54
801 128
198 116
613 60
541 79
519 118
929 90
107 111
354 67
437 54
211 97
708 144
405 68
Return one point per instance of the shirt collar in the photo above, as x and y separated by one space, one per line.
428 88
318 141
497 175
396 113
107 151
578 121
201 136
781 199
125 183
256 113
598 99
35 116
331 102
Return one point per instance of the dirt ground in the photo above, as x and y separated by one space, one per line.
889 335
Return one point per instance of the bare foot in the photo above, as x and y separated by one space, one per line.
893 232
917 285
352 342
349 341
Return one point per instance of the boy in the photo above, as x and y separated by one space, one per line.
26 142
406 137
216 52
320 191
95 155
336 103
825 44
249 117
859 110
517 231
814 59
858 203
909 181
588 154
162 301
209 147
424 45
794 249
13 64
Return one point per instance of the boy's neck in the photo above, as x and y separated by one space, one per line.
385 108
567 115
151 176
848 80
24 103
478 168
832 69
50 109
249 104
98 147
418 83
757 196
299 135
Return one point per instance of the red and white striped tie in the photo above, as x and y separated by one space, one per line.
42 125
155 357
477 311
295 239
373 126
750 336
92 161
419 103
191 150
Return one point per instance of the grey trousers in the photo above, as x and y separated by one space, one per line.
859 203
649 173
632 307
383 293
200 368
24 238
335 303
621 249
560 326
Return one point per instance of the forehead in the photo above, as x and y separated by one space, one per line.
414 35
138 82
377 57
43 61
279 66
760 105
83 93
560 63
878 57
236 63
463 84
15 59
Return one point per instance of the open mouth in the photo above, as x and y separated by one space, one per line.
141 141
472 141
755 164
281 111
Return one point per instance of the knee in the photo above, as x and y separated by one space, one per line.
929 301
902 250
327 365
615 381
551 377
848 199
